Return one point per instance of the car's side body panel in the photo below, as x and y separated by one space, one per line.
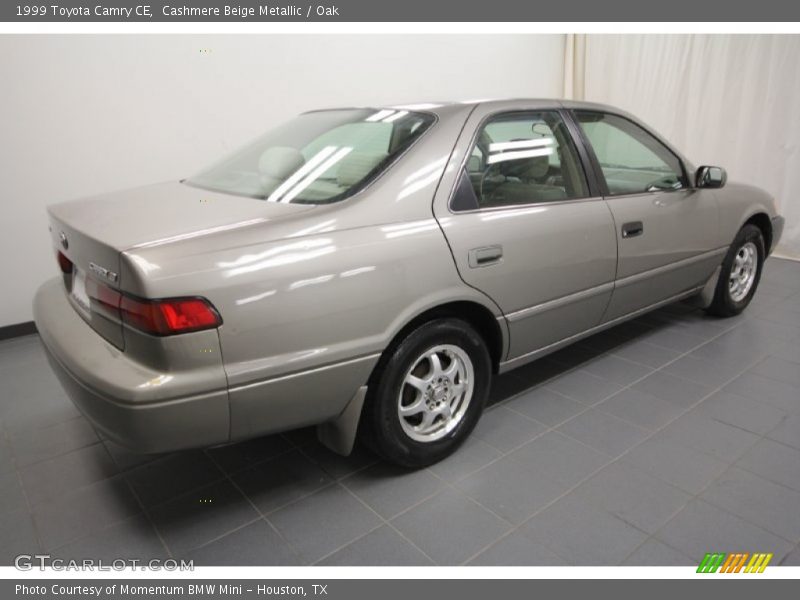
556 274
678 250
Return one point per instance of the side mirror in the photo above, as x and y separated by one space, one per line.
711 177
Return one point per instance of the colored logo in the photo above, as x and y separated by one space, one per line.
735 562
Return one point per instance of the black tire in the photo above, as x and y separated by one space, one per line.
381 427
723 304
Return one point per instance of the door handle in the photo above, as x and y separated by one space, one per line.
632 229
487 255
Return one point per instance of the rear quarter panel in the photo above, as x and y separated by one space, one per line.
308 304
305 320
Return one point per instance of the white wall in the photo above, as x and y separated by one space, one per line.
81 115
729 100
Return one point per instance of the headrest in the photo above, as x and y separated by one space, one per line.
279 162
533 167
537 167
355 166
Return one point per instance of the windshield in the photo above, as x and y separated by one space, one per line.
318 157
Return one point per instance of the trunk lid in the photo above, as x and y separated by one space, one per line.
92 233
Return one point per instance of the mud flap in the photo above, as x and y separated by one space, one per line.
339 434
706 295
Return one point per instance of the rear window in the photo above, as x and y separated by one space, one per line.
318 157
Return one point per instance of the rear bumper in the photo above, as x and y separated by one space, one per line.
777 231
130 403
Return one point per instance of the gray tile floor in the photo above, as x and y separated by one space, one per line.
652 443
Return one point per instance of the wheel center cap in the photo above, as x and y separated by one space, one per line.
439 393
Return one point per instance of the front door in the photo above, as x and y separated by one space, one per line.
524 227
667 231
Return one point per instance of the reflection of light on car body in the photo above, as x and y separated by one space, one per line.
280 255
423 177
403 229
510 214
358 271
392 118
144 264
324 227
200 233
255 298
317 165
157 381
312 281
516 155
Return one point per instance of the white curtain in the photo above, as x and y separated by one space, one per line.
729 100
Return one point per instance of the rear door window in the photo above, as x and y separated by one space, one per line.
518 159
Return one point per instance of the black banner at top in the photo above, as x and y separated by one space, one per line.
398 11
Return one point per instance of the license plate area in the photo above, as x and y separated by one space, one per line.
78 291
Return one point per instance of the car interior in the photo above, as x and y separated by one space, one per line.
319 158
360 150
524 160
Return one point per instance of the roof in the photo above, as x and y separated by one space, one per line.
442 106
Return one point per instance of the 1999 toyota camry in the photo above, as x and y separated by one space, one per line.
368 270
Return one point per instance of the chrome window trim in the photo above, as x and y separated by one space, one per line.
491 209
648 194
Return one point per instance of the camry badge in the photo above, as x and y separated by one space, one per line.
64 240
103 272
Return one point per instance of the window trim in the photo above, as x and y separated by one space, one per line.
594 191
595 162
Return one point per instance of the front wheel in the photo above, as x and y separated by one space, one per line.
427 394
740 273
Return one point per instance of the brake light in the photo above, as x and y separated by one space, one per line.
64 263
105 300
169 316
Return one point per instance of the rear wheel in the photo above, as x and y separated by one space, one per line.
428 393
740 273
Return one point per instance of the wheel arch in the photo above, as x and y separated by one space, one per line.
764 223
339 435
476 314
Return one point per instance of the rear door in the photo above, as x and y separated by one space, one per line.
667 230
525 226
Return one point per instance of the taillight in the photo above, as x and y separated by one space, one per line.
105 300
64 263
169 316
